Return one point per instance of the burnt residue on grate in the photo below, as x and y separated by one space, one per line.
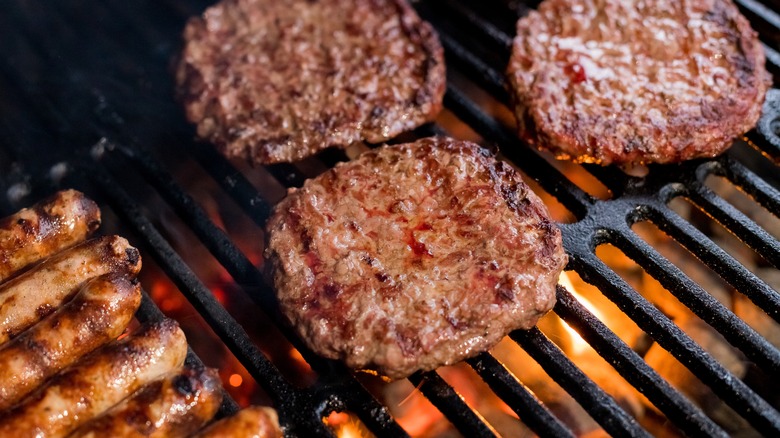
86 100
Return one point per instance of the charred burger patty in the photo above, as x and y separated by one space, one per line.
276 81
413 256
627 82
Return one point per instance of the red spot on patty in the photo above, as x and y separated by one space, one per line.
313 261
575 72
419 249
425 226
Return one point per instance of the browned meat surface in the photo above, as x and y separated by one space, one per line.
97 315
413 256
625 82
252 422
278 81
28 298
175 406
32 234
97 383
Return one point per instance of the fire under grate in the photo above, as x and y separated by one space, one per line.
86 102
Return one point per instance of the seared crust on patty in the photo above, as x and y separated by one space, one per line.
278 81
626 82
413 256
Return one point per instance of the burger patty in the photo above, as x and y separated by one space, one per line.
413 256
275 81
626 82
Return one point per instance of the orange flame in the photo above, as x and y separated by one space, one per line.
578 345
346 425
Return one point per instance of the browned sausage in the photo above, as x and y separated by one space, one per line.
31 296
99 313
97 382
252 422
175 406
51 225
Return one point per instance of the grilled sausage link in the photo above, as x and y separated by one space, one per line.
97 382
97 315
175 406
252 422
35 294
51 225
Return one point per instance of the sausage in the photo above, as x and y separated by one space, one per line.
175 406
252 422
97 315
53 224
97 382
31 296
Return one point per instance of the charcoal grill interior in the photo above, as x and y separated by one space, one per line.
86 101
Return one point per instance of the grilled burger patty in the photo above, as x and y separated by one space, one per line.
413 256
611 81
278 81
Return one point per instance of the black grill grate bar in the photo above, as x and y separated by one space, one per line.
351 395
451 404
590 396
762 192
17 129
737 222
717 259
730 389
528 408
233 182
477 22
492 79
16 134
148 312
772 57
700 302
759 10
633 368
216 241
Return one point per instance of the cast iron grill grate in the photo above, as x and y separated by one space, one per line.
85 102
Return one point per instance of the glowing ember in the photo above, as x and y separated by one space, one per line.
578 345
346 425
235 380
